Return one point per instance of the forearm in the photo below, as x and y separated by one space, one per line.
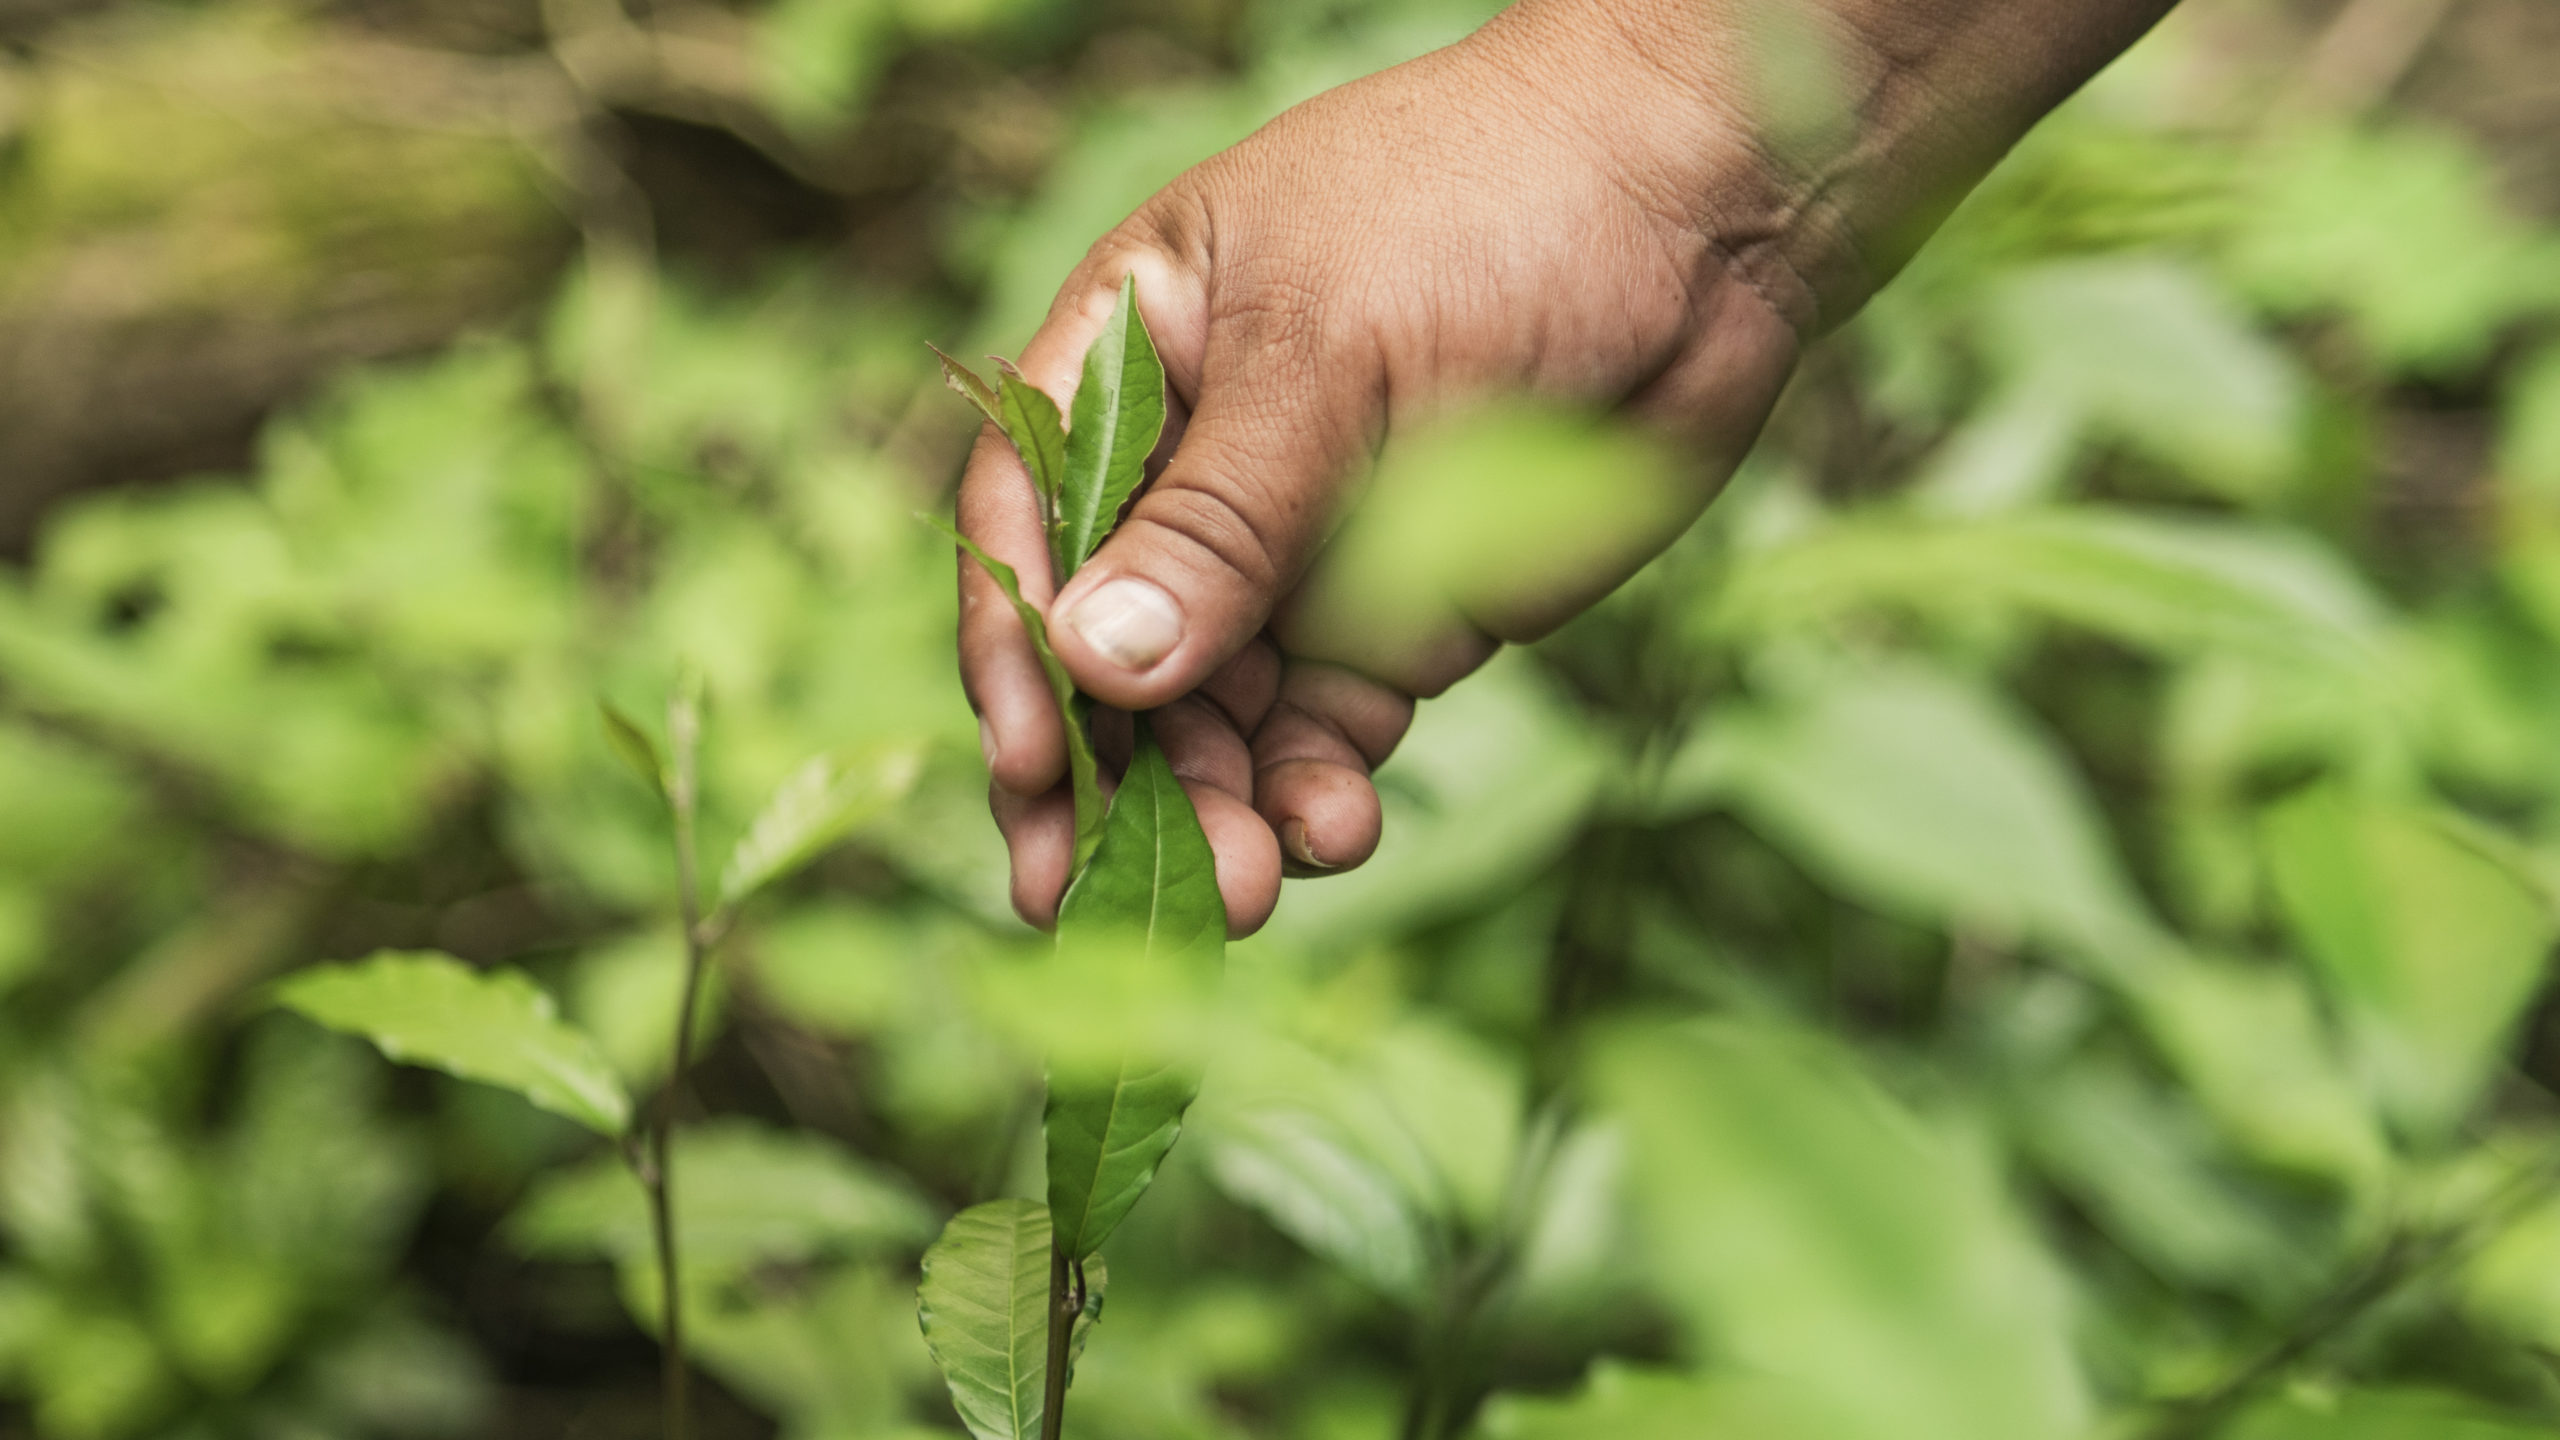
1816 143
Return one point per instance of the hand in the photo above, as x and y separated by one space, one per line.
1571 202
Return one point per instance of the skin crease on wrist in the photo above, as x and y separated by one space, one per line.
1575 201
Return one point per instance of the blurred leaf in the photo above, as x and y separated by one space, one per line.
2143 353
2382 1415
1489 519
2431 943
2400 229
1119 415
1319 1190
496 1027
2171 584
822 802
1082 775
1619 1402
635 748
2143 1165
1489 785
625 995
820 57
1927 798
1809 1228
2250 1044
745 1195
2529 439
984 1306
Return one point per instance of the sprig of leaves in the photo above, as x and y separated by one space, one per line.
1084 776
1086 472
1012 1289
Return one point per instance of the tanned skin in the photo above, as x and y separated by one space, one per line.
1590 200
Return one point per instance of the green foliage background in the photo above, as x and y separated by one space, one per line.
2032 921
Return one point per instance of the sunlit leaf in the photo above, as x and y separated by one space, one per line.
1118 417
984 1306
744 1194
496 1027
822 802
1083 775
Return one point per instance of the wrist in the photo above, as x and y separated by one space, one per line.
1808 147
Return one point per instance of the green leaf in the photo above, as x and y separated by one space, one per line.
1083 775
1319 1188
496 1027
984 1306
1030 420
2173 585
635 747
1150 895
1929 798
2145 353
2431 944
1105 1142
1026 415
1153 881
1119 415
745 1195
966 383
816 807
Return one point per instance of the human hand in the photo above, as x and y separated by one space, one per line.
1572 202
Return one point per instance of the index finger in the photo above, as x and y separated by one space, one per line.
1019 727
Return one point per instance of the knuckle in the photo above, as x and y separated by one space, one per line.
1220 524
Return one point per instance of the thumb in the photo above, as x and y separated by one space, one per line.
1276 428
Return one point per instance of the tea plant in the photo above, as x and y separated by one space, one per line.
1012 1288
501 1029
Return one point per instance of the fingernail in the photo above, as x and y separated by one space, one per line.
1293 838
987 741
1129 620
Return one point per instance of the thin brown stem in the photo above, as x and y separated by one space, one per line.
1066 1302
684 727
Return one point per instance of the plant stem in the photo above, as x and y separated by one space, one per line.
1066 1304
2399 1260
684 733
